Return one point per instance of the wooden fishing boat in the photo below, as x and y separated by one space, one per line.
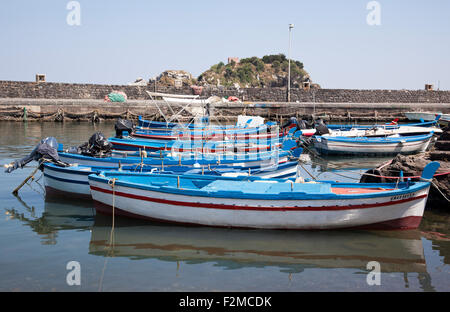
252 202
244 122
252 146
188 159
73 180
383 131
372 145
426 116
388 126
210 135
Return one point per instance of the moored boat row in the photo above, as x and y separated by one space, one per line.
245 181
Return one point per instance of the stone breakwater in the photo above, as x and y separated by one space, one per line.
49 90
63 102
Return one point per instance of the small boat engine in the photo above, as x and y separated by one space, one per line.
47 150
97 146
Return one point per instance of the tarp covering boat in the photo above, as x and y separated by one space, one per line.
97 146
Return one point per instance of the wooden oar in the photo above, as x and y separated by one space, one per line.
16 190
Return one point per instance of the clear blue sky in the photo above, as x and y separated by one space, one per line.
119 41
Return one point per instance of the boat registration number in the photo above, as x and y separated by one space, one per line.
404 196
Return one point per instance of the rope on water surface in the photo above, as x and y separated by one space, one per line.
112 183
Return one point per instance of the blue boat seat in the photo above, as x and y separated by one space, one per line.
267 188
237 186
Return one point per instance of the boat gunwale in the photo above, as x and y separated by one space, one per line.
394 189
377 140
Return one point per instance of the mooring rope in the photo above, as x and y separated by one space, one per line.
432 183
112 183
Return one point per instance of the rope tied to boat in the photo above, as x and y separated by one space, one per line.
439 190
112 183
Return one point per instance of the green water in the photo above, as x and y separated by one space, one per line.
39 237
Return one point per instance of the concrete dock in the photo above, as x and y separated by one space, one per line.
49 101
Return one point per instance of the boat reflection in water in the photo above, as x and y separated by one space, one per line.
291 251
58 215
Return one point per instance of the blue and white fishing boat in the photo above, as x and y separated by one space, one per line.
189 159
136 144
426 116
390 145
240 125
252 202
383 131
388 126
443 119
73 180
216 135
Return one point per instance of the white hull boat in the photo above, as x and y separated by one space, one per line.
372 146
426 116
73 181
383 131
258 203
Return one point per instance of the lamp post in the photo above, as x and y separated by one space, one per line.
289 66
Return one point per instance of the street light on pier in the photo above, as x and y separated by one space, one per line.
289 66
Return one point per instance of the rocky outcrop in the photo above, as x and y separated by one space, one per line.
175 78
413 165
270 71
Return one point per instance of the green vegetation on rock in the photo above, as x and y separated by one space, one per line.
268 71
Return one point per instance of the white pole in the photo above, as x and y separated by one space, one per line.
289 61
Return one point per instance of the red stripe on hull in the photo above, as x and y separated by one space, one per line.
236 207
208 138
203 150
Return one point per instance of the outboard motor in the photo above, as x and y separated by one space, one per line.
123 125
97 146
47 149
321 128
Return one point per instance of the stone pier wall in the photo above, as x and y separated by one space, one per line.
18 89
63 101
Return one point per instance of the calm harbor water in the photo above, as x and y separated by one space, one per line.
39 237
